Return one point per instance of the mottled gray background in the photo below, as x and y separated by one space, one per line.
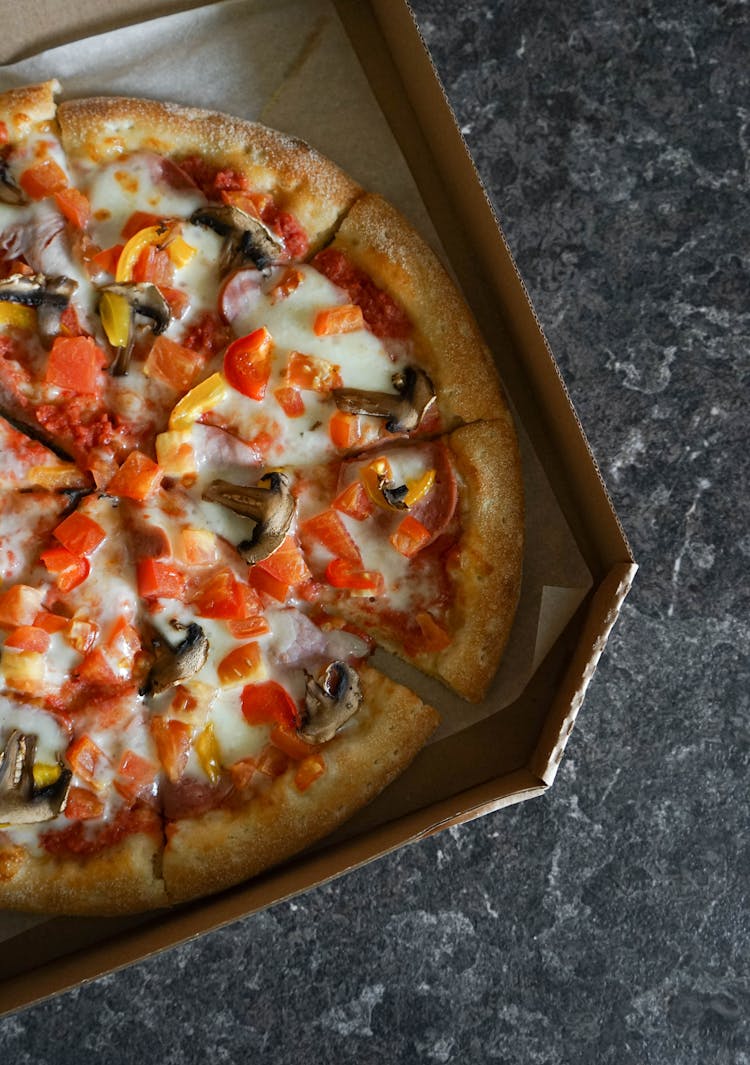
607 922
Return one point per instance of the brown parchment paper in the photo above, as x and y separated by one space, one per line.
289 63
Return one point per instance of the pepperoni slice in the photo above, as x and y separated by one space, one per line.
238 293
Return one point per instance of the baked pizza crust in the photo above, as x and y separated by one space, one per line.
34 102
311 187
379 240
122 879
207 854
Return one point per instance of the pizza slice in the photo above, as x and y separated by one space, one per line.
420 545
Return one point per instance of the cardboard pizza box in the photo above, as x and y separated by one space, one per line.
512 753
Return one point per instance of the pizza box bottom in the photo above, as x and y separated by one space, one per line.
509 756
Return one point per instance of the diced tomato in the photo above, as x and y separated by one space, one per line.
247 363
314 375
244 663
136 777
344 319
79 533
74 206
153 266
272 762
50 622
344 430
172 739
28 638
198 547
123 645
435 638
74 363
287 563
355 502
97 669
220 596
83 805
329 530
43 179
69 570
263 581
291 279
262 442
84 756
245 627
19 605
410 536
178 300
81 635
269 704
309 770
107 258
290 401
341 573
138 478
139 220
4 135
289 742
173 364
159 580
69 324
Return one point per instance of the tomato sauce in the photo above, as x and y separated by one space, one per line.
208 335
79 839
73 421
381 312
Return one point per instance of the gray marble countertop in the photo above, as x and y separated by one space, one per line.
608 921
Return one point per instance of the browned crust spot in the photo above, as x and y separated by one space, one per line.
379 240
35 103
208 854
120 880
315 190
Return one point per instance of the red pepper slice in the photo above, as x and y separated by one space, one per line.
70 570
247 363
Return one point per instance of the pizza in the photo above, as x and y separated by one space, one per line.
249 433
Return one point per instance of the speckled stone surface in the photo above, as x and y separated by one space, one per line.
606 924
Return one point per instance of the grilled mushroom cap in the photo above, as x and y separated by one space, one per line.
269 503
50 296
246 239
10 192
176 664
143 299
404 410
330 703
21 802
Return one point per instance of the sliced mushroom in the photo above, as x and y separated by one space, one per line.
10 192
269 503
330 703
50 296
173 665
405 410
145 300
246 239
21 802
33 433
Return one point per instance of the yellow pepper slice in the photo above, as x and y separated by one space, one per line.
114 311
179 251
207 749
66 475
198 400
16 314
45 774
418 489
134 247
